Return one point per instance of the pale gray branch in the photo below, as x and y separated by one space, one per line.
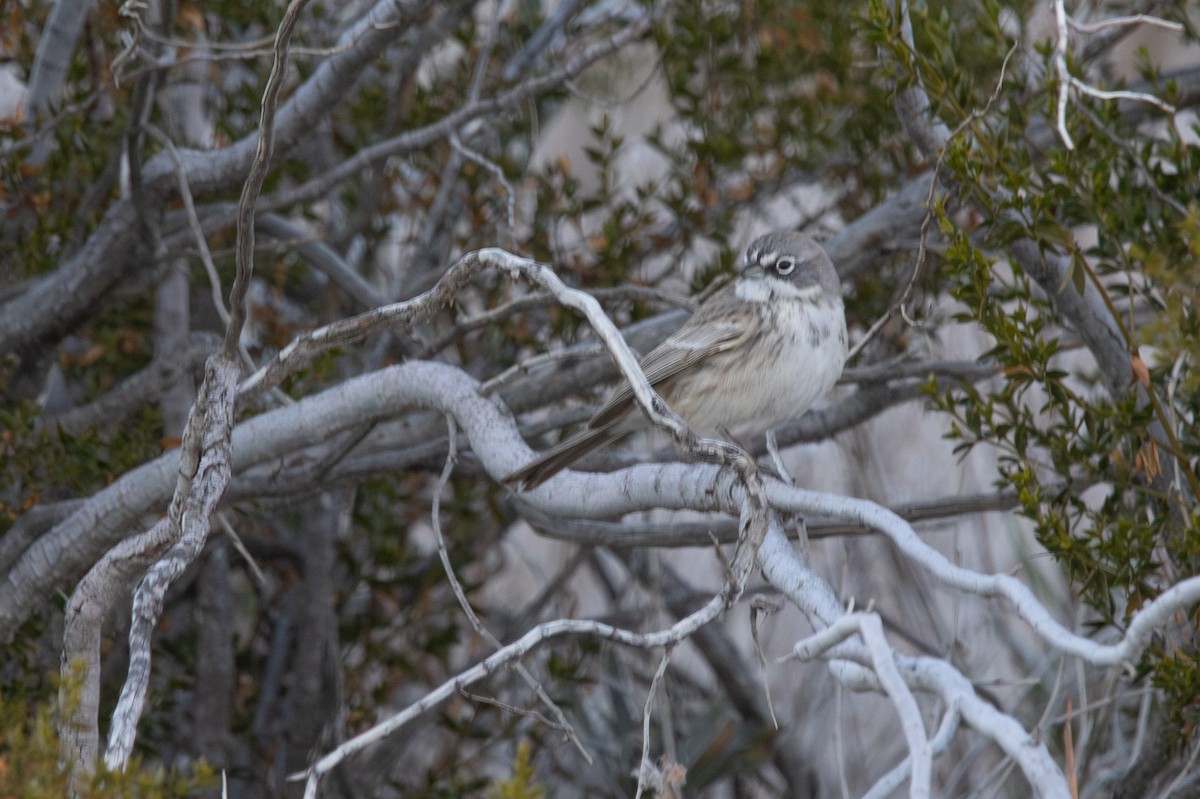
206 470
205 461
816 600
637 533
48 75
322 257
111 577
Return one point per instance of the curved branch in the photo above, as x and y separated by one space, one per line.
509 654
816 600
74 543
635 533
1123 653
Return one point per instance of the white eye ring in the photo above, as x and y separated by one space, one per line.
785 266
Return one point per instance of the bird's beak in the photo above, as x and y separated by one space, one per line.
753 270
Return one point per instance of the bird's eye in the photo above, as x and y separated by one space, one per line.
785 266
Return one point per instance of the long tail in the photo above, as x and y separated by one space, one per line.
559 457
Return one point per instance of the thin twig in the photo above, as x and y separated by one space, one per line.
189 207
606 296
510 195
507 654
646 771
1132 19
1067 81
483 699
922 239
524 367
461 595
210 268
260 579
763 605
252 187
777 459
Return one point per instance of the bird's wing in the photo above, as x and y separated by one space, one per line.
714 328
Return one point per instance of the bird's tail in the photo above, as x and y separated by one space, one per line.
559 457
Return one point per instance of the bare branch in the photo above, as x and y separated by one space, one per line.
869 627
646 771
205 471
321 256
636 533
254 181
1130 647
459 594
510 195
1131 19
1067 81
942 739
205 458
514 651
814 597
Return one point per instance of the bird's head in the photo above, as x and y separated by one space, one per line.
794 262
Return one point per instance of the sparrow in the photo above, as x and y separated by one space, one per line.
757 352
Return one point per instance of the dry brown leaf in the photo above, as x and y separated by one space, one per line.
1140 372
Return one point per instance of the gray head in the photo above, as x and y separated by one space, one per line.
795 258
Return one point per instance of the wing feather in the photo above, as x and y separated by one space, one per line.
716 327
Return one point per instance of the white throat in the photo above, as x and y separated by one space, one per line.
762 289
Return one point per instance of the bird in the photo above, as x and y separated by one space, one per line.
757 352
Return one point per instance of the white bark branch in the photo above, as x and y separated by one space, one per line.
518 649
870 628
205 462
1123 653
816 600
493 437
889 782
1067 81
197 498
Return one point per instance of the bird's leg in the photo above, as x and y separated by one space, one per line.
731 438
781 470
